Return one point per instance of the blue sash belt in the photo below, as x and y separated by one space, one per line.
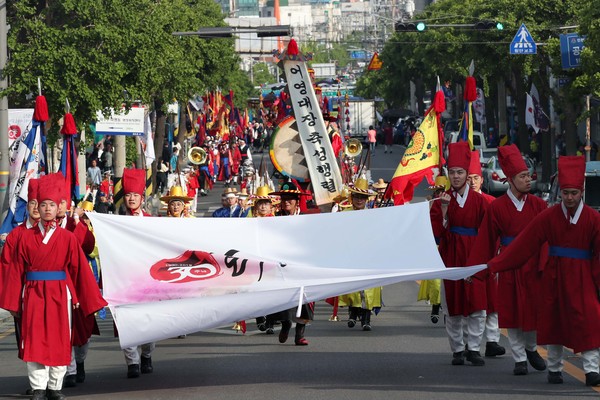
461 230
46 276
570 252
505 240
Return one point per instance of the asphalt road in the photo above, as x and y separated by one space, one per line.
404 356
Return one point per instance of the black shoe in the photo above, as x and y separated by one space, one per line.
133 371
493 349
38 395
535 360
434 318
55 395
80 373
351 323
270 331
520 368
555 377
592 379
475 358
366 327
70 381
262 327
146 367
458 358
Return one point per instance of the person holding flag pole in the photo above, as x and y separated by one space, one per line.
455 220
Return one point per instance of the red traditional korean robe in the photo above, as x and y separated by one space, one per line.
83 326
569 314
491 284
463 298
517 290
45 336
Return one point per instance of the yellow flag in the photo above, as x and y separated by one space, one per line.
423 151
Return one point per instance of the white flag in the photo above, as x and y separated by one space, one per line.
530 114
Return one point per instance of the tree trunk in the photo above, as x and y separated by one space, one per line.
521 101
502 111
159 137
572 110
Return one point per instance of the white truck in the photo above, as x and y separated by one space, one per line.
361 114
324 70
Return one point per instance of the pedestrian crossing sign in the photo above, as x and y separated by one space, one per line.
523 43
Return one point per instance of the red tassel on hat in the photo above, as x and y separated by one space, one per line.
40 113
470 89
69 127
439 102
292 49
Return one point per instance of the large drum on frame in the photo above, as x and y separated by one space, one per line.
286 152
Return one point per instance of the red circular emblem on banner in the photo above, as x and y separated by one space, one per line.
188 267
14 132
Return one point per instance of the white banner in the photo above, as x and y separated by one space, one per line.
322 164
163 278
19 123
121 123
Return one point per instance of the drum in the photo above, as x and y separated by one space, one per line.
286 152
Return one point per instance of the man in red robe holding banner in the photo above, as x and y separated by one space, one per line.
492 329
47 278
134 187
455 220
517 300
570 311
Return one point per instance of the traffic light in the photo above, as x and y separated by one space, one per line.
410 26
485 25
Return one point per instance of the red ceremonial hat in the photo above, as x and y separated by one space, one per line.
571 172
459 155
49 189
32 188
511 161
134 181
475 166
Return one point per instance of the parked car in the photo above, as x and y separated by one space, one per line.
494 180
485 152
591 194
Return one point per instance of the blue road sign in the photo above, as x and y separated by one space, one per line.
523 43
571 45
358 54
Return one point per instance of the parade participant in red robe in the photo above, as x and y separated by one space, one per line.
455 219
492 329
569 314
516 301
48 276
134 187
14 237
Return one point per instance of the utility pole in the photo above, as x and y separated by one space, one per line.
4 159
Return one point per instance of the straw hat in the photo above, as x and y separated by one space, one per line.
176 193
288 188
230 192
344 194
243 194
380 184
441 182
262 193
361 186
87 206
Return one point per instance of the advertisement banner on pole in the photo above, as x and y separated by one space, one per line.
122 123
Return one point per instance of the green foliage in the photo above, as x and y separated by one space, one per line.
262 75
337 53
102 54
